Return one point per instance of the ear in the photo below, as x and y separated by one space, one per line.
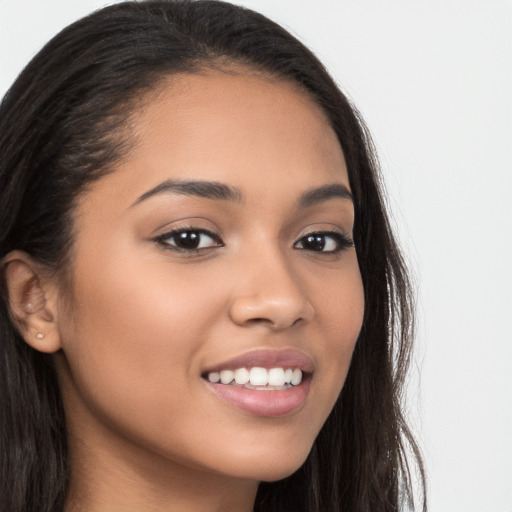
33 301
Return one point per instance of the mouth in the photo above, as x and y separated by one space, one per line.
263 383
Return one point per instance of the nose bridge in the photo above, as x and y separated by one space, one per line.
269 291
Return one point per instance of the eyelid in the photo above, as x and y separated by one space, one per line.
327 230
192 223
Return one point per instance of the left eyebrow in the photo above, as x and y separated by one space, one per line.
324 193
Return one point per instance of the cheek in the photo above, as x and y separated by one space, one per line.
132 343
344 317
339 318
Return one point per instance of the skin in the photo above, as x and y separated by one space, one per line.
146 433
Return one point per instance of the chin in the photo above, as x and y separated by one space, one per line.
269 467
276 474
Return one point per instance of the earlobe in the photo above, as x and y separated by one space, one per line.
32 306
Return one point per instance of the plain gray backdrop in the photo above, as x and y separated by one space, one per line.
433 80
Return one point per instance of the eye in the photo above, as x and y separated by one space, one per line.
189 239
327 242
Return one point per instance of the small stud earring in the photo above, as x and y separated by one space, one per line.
39 335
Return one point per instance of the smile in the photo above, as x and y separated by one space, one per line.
268 383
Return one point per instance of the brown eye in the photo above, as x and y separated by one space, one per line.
329 242
314 242
189 240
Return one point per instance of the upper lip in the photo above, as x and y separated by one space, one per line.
285 358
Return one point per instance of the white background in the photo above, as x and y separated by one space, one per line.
433 80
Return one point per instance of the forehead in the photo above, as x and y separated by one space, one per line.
250 131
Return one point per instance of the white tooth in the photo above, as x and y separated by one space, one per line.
258 376
214 377
242 376
288 375
296 377
226 376
276 377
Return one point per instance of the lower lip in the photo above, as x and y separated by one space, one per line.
271 403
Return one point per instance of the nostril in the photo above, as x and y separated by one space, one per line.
274 323
259 321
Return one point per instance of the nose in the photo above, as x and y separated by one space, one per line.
270 294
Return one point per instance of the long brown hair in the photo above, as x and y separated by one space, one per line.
60 128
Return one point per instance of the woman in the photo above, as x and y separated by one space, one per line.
204 307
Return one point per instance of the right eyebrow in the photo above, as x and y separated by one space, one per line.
206 189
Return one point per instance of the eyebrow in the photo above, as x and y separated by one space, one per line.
206 189
324 193
223 192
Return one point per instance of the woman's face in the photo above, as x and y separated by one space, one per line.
221 243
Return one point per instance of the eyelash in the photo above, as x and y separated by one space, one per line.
342 241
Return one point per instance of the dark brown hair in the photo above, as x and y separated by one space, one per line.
62 126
